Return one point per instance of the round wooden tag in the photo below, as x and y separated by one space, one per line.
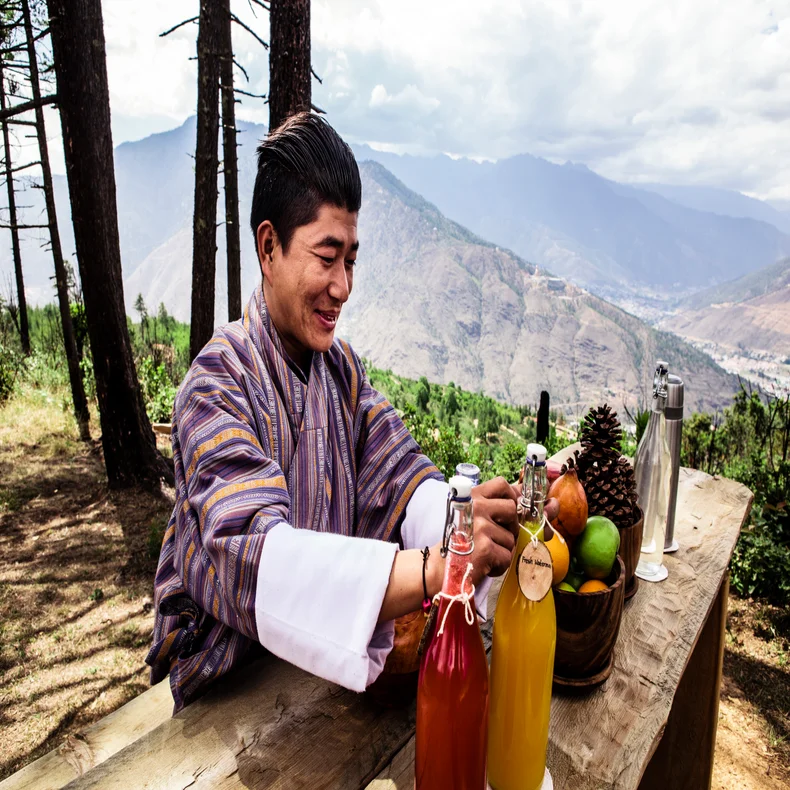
535 571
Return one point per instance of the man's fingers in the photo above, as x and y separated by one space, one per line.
500 560
497 534
503 511
498 488
551 508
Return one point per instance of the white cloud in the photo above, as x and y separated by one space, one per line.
656 90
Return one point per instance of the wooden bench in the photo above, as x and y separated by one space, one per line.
651 726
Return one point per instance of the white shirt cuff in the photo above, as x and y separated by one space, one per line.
423 525
318 601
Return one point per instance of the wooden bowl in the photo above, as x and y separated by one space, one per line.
587 628
630 548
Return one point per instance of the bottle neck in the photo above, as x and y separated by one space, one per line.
460 546
659 405
533 493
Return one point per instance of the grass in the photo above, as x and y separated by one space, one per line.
75 581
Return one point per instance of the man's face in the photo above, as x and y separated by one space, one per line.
306 287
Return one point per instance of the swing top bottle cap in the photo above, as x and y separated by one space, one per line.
462 487
536 450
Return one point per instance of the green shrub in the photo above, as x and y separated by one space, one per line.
158 391
440 443
11 364
508 461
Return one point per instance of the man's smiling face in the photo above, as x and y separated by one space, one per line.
306 286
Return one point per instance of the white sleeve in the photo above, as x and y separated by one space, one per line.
318 600
423 525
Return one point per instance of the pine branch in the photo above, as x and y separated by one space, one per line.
253 95
180 24
243 70
317 109
250 31
320 81
18 109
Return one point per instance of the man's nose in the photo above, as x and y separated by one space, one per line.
340 284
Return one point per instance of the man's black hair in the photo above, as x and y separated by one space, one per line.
302 165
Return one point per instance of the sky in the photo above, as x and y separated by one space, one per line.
638 90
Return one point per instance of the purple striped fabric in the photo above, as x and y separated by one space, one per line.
255 445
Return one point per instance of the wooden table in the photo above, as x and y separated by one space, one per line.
651 726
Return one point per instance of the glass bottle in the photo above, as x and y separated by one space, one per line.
652 469
452 695
522 655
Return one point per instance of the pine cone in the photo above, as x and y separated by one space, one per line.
606 475
601 435
609 492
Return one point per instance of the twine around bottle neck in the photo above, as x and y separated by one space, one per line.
462 597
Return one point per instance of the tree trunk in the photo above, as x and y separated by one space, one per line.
204 232
289 59
230 168
61 280
80 65
24 330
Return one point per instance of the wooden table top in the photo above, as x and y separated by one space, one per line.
272 725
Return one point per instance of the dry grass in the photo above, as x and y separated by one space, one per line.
753 738
75 620
75 581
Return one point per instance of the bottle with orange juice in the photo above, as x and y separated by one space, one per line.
522 655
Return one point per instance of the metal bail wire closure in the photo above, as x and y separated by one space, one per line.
448 524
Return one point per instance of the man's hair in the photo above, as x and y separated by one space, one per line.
302 165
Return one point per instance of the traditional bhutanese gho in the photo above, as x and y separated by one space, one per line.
291 492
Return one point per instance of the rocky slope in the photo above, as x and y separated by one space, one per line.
432 299
751 313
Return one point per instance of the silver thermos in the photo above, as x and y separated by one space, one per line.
674 417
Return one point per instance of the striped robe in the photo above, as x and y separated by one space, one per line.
254 446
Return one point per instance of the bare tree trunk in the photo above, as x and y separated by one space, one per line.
78 50
230 168
24 330
61 279
289 59
204 230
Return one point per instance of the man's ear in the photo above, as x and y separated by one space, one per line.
266 237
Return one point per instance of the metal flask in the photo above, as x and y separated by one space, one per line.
674 417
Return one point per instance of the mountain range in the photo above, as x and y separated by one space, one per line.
432 297
614 239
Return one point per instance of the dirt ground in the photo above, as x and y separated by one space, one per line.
76 571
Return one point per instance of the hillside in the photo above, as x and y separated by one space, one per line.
748 315
722 201
431 300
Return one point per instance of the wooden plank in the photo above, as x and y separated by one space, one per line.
84 750
604 741
271 725
684 757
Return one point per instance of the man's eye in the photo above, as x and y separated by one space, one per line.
326 260
350 262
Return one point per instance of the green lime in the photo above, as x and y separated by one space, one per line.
596 548
565 586
574 579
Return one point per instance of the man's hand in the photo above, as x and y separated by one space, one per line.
551 508
496 528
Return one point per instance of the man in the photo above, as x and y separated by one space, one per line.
302 502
